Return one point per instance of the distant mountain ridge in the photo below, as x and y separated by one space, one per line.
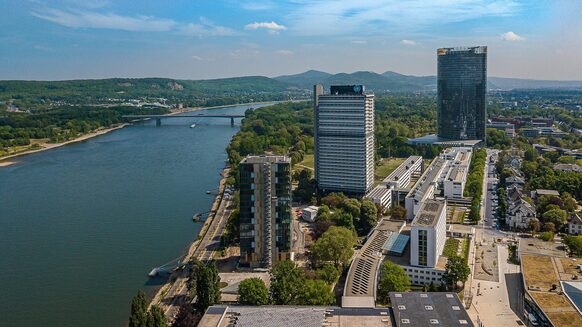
390 81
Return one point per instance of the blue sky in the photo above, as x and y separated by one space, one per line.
69 39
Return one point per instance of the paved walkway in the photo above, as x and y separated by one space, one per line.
491 302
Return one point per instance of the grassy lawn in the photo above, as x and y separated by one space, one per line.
451 247
306 163
386 166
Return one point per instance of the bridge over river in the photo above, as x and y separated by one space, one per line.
159 118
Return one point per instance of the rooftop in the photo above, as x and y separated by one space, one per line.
379 191
542 275
412 309
412 161
435 140
428 178
294 316
266 159
361 279
428 213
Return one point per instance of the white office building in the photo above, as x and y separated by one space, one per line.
344 139
428 234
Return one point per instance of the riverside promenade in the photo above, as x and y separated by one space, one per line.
175 292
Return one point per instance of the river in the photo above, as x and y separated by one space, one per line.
82 225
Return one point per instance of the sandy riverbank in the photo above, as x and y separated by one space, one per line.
47 146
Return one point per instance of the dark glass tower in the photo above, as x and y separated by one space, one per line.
462 83
265 210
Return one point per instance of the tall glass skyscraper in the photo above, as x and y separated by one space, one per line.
462 83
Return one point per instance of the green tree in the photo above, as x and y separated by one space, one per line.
195 271
368 216
253 291
456 270
335 245
139 310
323 214
569 202
286 283
534 226
352 206
207 287
556 216
398 213
546 236
157 317
530 154
393 278
574 244
343 219
316 292
328 273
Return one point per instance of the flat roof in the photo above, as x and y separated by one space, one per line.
361 279
428 178
456 173
379 191
428 213
294 316
541 273
419 309
396 243
435 140
403 168
265 159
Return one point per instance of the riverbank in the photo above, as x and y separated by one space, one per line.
4 161
169 295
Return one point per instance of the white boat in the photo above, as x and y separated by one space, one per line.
193 125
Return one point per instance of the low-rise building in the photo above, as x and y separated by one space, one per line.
508 128
551 290
519 214
539 192
309 213
418 309
568 167
575 224
294 316
401 176
381 195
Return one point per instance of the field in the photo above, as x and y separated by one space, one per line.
306 163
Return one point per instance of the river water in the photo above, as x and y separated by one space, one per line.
82 225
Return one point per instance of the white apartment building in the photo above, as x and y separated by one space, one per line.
381 195
401 176
344 139
424 188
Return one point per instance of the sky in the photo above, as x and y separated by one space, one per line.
200 39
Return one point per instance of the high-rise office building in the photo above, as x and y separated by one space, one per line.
344 139
462 84
265 210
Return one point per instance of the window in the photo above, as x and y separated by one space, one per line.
422 247
397 295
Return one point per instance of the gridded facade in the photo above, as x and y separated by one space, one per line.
344 139
462 83
265 210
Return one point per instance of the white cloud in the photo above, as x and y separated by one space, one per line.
197 58
91 19
272 27
206 28
359 42
284 52
511 37
408 42
325 17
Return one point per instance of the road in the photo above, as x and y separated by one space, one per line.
490 194
177 293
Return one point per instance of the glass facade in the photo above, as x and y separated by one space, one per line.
462 85
422 247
